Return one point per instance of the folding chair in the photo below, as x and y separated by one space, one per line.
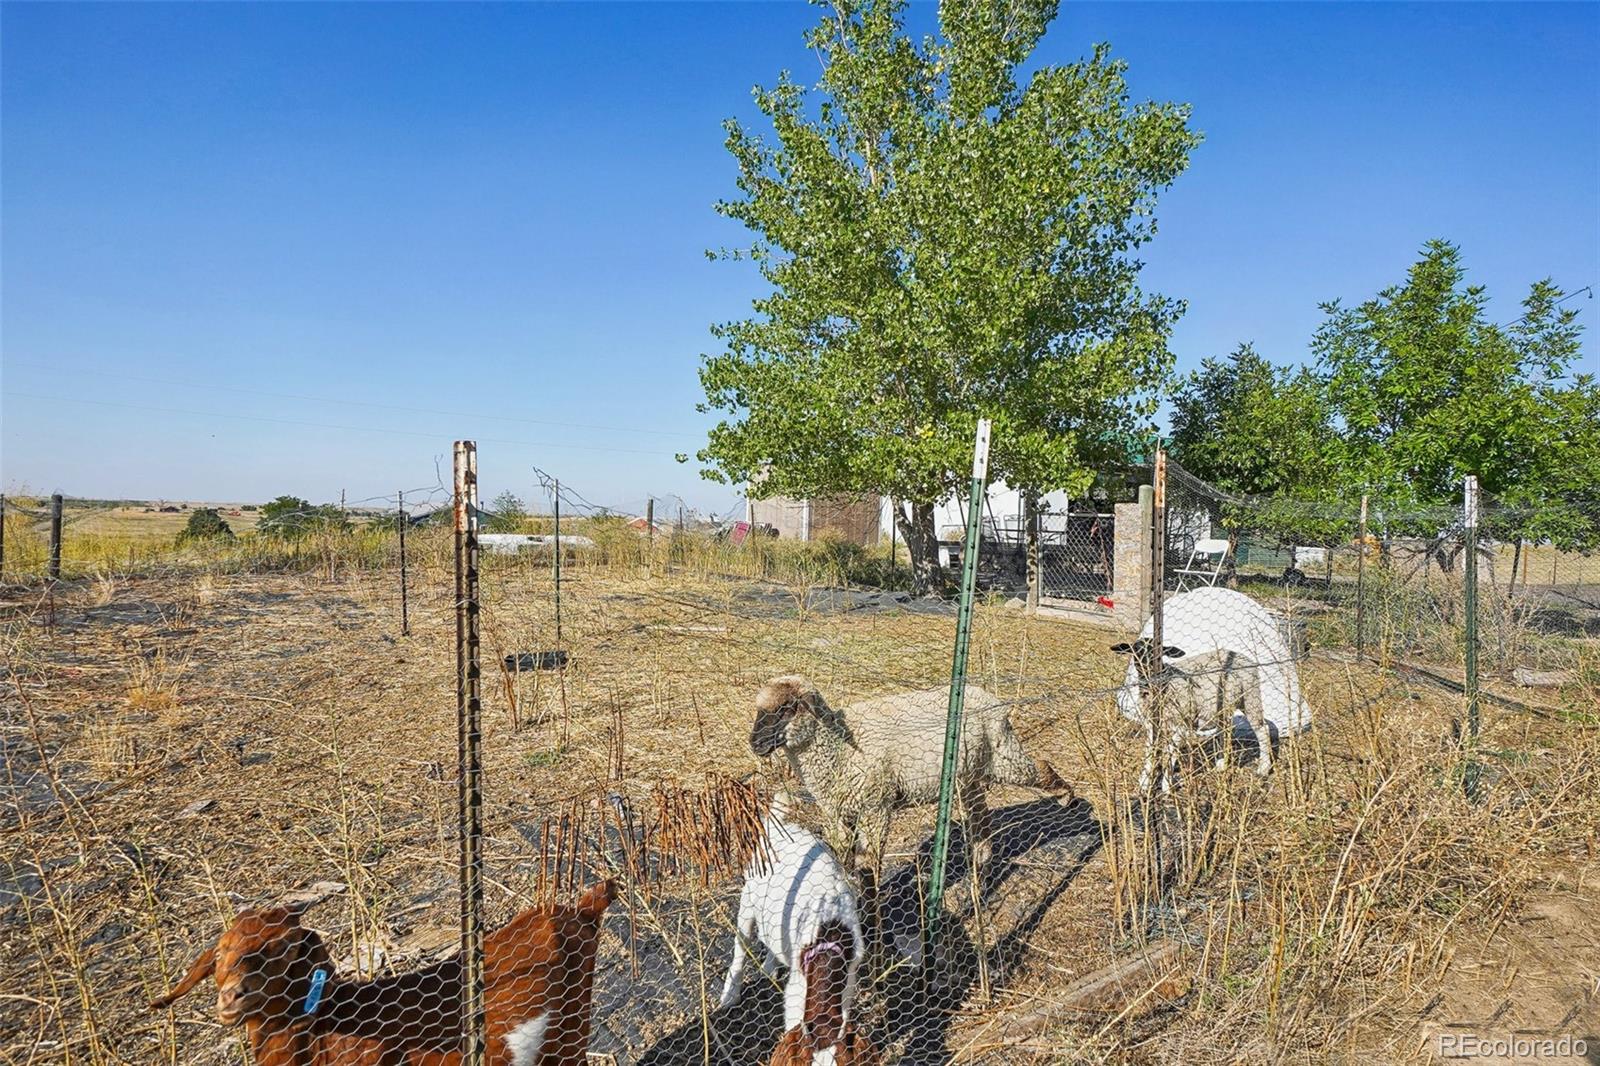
1204 567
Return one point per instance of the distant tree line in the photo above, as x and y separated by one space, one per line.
1407 394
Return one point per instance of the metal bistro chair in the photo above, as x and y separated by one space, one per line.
1204 567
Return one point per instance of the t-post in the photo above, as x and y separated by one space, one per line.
1469 531
958 684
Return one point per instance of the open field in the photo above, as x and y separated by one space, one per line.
177 747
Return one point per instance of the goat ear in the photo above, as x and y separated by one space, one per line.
1123 648
1172 653
198 972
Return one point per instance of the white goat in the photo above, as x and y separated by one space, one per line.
862 763
800 901
1198 696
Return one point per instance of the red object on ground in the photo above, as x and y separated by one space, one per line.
1104 601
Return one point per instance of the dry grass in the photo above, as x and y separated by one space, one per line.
1320 909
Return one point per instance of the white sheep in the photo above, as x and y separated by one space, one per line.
798 900
862 763
1221 619
1208 620
1198 695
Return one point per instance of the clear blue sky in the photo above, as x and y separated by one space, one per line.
502 211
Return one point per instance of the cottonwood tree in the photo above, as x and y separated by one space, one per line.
1425 390
943 241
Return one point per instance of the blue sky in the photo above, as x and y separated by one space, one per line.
252 249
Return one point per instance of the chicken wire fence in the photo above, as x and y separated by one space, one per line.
703 789
1070 555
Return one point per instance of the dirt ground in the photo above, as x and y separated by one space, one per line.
177 749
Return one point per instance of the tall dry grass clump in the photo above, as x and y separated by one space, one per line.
1315 907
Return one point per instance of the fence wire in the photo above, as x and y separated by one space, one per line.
709 803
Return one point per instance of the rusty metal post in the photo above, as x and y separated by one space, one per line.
2 534
1158 547
55 537
469 768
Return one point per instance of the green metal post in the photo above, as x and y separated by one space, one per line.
958 682
1470 587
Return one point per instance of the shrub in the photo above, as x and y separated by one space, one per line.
291 517
205 524
505 514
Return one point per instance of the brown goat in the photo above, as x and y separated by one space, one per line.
825 1036
538 982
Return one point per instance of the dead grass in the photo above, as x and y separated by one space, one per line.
1320 909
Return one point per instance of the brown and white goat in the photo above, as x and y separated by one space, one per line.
825 1036
275 978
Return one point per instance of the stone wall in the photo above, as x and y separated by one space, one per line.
1130 573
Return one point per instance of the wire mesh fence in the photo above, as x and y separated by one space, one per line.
710 803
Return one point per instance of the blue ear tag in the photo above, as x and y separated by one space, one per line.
319 977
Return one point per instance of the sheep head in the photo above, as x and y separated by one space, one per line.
1144 658
263 965
786 715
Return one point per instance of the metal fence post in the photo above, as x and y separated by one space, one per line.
1030 519
1158 588
1470 589
1361 582
55 537
2 534
556 495
650 529
405 611
469 768
958 683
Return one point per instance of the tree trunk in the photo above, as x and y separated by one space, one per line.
1232 579
1516 561
1030 542
922 545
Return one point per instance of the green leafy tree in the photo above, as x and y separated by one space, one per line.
942 242
506 514
1426 390
1253 428
205 523
1265 432
1559 499
291 517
